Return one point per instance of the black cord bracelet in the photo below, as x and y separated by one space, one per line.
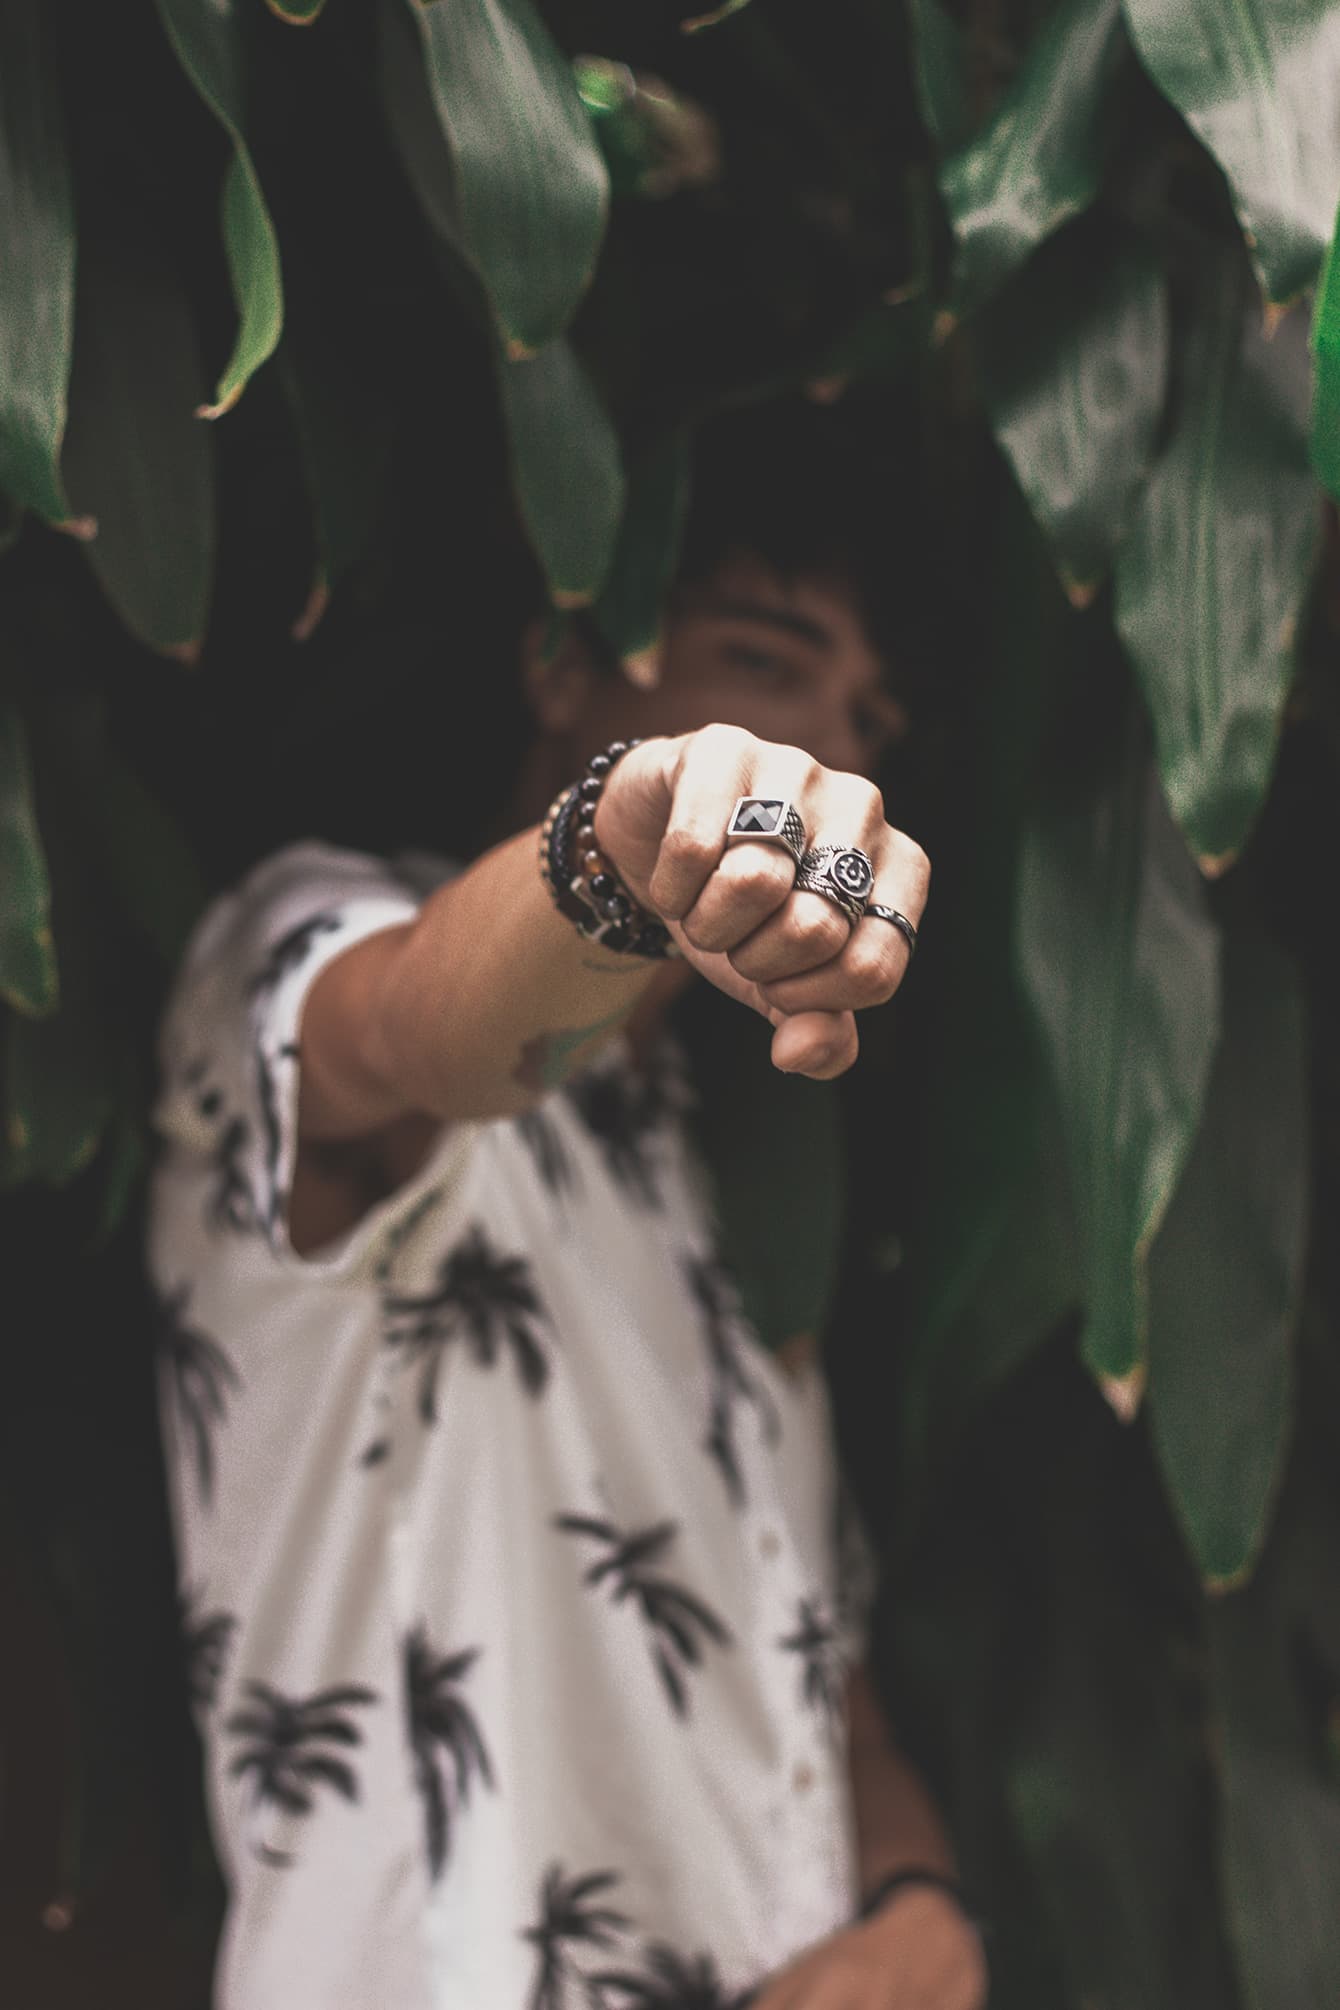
581 881
932 1880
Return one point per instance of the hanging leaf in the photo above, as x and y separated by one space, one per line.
1120 961
940 67
206 37
300 13
1251 77
632 601
37 271
56 1089
1041 157
27 954
134 455
1275 1664
1073 358
1226 1273
530 186
565 464
1211 581
1326 350
697 22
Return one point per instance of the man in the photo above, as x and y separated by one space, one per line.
508 1553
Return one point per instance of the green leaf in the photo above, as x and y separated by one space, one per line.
940 62
206 36
1212 580
530 186
27 954
1073 358
632 601
37 271
566 468
1041 157
1251 77
134 455
1226 1273
697 22
1326 350
300 13
1119 958
1275 1663
56 1088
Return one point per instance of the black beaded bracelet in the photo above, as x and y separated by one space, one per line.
584 886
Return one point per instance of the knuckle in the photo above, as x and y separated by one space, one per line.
753 875
872 976
684 848
819 932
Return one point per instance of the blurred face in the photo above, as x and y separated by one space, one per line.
789 661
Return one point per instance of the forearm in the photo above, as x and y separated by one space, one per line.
485 1001
897 1824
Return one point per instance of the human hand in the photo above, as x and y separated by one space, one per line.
919 1952
733 911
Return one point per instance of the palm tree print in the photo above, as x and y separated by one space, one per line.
232 1204
731 1381
199 1377
815 1642
671 1982
622 1113
444 1737
272 1136
677 1621
206 1638
290 951
539 1134
482 1297
288 1753
571 1922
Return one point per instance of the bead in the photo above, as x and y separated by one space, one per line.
604 884
616 908
593 861
618 748
590 788
599 764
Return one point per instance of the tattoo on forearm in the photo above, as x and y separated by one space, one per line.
546 1061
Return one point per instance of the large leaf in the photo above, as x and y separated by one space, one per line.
565 464
1212 579
134 455
1073 358
1326 349
1226 1273
1276 1677
530 185
27 955
632 602
206 35
57 1090
1120 960
1258 80
1040 158
37 270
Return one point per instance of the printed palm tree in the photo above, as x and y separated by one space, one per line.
289 951
621 1112
206 1638
815 1642
731 1382
199 1376
482 1297
267 1097
569 1921
677 1620
287 1756
540 1135
231 1203
671 1982
442 1728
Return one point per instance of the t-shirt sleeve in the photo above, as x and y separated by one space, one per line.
229 1050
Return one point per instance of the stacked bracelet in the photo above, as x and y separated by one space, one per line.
584 885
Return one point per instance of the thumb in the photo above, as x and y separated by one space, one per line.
821 1045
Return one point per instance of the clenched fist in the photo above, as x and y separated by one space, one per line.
794 956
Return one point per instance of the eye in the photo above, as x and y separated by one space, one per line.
760 662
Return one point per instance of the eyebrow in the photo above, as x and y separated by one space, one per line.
732 608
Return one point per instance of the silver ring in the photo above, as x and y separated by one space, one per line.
895 920
767 820
841 873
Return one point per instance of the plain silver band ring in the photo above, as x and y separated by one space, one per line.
895 920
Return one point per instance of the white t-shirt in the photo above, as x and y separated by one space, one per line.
508 1555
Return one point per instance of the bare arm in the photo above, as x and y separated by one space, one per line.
489 997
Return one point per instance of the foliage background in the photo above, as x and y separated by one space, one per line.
1058 264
